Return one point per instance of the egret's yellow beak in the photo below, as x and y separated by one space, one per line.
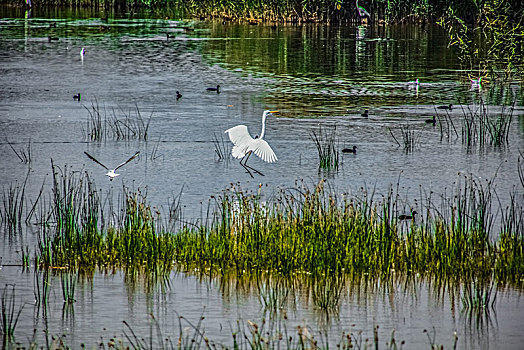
274 112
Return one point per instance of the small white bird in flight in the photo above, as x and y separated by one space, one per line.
111 173
244 144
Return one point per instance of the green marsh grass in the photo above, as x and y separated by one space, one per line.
327 146
309 231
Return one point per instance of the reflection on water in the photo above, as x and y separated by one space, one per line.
213 305
315 75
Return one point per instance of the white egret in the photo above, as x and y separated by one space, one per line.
244 144
82 52
111 173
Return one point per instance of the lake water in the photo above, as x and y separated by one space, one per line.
316 76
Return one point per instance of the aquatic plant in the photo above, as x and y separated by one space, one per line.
275 293
13 200
24 154
480 128
409 138
68 280
41 288
327 147
302 230
520 167
222 147
124 126
9 316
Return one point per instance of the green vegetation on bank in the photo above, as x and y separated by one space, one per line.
471 12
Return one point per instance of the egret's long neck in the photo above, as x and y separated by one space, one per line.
263 126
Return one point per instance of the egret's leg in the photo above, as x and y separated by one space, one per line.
247 166
245 158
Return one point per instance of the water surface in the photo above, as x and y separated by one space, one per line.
315 76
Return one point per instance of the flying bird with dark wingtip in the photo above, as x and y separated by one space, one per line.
111 173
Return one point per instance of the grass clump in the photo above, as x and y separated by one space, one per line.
479 128
308 231
327 147
124 126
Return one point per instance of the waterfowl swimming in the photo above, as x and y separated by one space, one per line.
169 36
450 106
365 114
52 25
52 38
217 89
431 121
350 150
244 144
111 173
415 82
76 97
178 95
407 216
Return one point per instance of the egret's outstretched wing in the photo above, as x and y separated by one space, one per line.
127 161
263 150
239 135
95 160
243 143
241 140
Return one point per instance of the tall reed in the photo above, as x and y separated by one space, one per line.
480 128
23 154
222 148
13 200
327 147
123 126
